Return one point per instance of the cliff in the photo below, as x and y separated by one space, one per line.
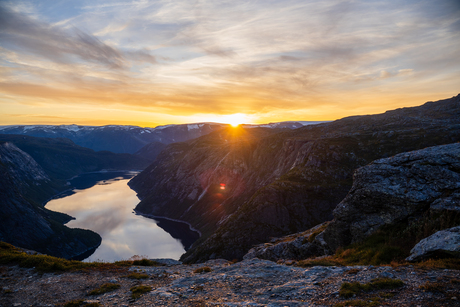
240 188
413 198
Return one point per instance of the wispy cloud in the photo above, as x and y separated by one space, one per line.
185 57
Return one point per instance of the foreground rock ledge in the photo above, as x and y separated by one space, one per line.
248 283
390 190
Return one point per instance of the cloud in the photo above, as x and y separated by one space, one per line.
185 57
23 33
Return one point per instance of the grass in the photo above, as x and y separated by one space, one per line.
108 287
137 291
447 263
80 303
204 269
433 287
349 289
10 254
138 276
42 263
371 302
313 235
392 244
324 261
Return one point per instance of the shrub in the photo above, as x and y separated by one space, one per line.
145 262
204 269
325 261
137 276
350 289
80 303
137 291
432 287
104 289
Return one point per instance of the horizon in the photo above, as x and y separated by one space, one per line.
155 63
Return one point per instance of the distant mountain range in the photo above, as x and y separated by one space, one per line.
129 139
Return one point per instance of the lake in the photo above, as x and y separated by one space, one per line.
103 202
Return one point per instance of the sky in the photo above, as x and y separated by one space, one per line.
150 63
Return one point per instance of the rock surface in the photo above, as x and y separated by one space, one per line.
248 283
392 189
293 247
442 243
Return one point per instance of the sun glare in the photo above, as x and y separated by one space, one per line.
235 119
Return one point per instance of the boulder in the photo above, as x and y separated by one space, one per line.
392 189
443 243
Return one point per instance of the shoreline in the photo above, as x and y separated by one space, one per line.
151 216
135 172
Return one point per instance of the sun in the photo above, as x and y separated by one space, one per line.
235 119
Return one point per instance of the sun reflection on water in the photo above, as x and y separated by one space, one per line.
107 209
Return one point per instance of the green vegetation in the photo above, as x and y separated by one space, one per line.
349 289
145 262
42 263
80 303
313 235
325 261
204 269
108 287
136 275
137 291
372 302
392 244
139 262
10 254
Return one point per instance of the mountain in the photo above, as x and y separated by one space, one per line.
240 187
115 138
130 139
25 223
63 159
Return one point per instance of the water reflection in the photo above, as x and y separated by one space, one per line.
107 208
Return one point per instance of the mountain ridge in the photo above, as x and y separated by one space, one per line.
293 179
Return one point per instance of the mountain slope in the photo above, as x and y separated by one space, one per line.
62 159
280 183
26 224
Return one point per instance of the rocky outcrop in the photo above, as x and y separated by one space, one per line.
444 243
292 247
279 182
391 190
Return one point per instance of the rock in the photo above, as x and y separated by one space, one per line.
442 243
392 189
294 247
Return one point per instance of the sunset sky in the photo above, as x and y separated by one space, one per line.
151 63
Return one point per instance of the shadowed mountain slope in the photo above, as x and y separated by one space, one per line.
240 187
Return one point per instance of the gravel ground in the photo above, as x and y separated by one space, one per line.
248 283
